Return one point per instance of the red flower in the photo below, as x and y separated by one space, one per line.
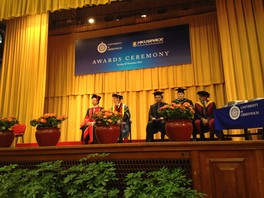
48 120
7 123
177 111
108 117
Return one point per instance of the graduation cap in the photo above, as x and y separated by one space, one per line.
203 94
180 90
158 93
117 96
96 96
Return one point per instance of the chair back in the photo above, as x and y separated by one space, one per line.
19 129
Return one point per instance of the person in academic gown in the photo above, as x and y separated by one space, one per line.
87 126
204 114
180 100
181 97
124 110
156 123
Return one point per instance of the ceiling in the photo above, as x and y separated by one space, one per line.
130 11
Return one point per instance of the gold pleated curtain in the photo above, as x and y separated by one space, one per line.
70 94
229 65
23 72
23 77
17 8
242 39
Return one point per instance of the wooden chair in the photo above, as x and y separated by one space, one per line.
19 131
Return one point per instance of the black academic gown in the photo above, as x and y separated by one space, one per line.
178 101
156 125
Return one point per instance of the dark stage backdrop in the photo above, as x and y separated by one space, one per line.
145 49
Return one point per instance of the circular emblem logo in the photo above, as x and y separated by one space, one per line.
102 47
234 112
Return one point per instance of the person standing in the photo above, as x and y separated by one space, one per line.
156 122
181 97
124 110
204 114
87 126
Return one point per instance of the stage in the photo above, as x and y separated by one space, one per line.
214 166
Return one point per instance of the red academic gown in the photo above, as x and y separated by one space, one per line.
87 125
204 111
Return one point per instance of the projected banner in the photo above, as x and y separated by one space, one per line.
146 49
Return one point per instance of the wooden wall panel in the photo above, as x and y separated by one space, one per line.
229 177
229 174
260 168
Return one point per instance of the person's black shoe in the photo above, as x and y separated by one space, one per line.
211 136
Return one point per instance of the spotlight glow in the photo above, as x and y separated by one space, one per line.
91 20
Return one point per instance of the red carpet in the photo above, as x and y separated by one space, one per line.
72 143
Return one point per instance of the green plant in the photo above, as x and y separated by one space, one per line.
54 180
10 179
107 117
48 120
177 111
7 123
90 180
44 181
93 179
159 184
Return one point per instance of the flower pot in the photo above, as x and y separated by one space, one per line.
179 130
107 134
47 136
6 138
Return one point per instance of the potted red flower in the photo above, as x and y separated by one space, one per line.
179 118
107 126
6 132
175 111
48 131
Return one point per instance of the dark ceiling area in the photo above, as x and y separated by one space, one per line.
131 11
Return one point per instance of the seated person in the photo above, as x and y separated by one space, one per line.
87 125
204 114
180 100
123 109
181 97
156 122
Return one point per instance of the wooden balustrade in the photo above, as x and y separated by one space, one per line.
219 169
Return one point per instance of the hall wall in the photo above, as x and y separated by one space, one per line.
69 94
